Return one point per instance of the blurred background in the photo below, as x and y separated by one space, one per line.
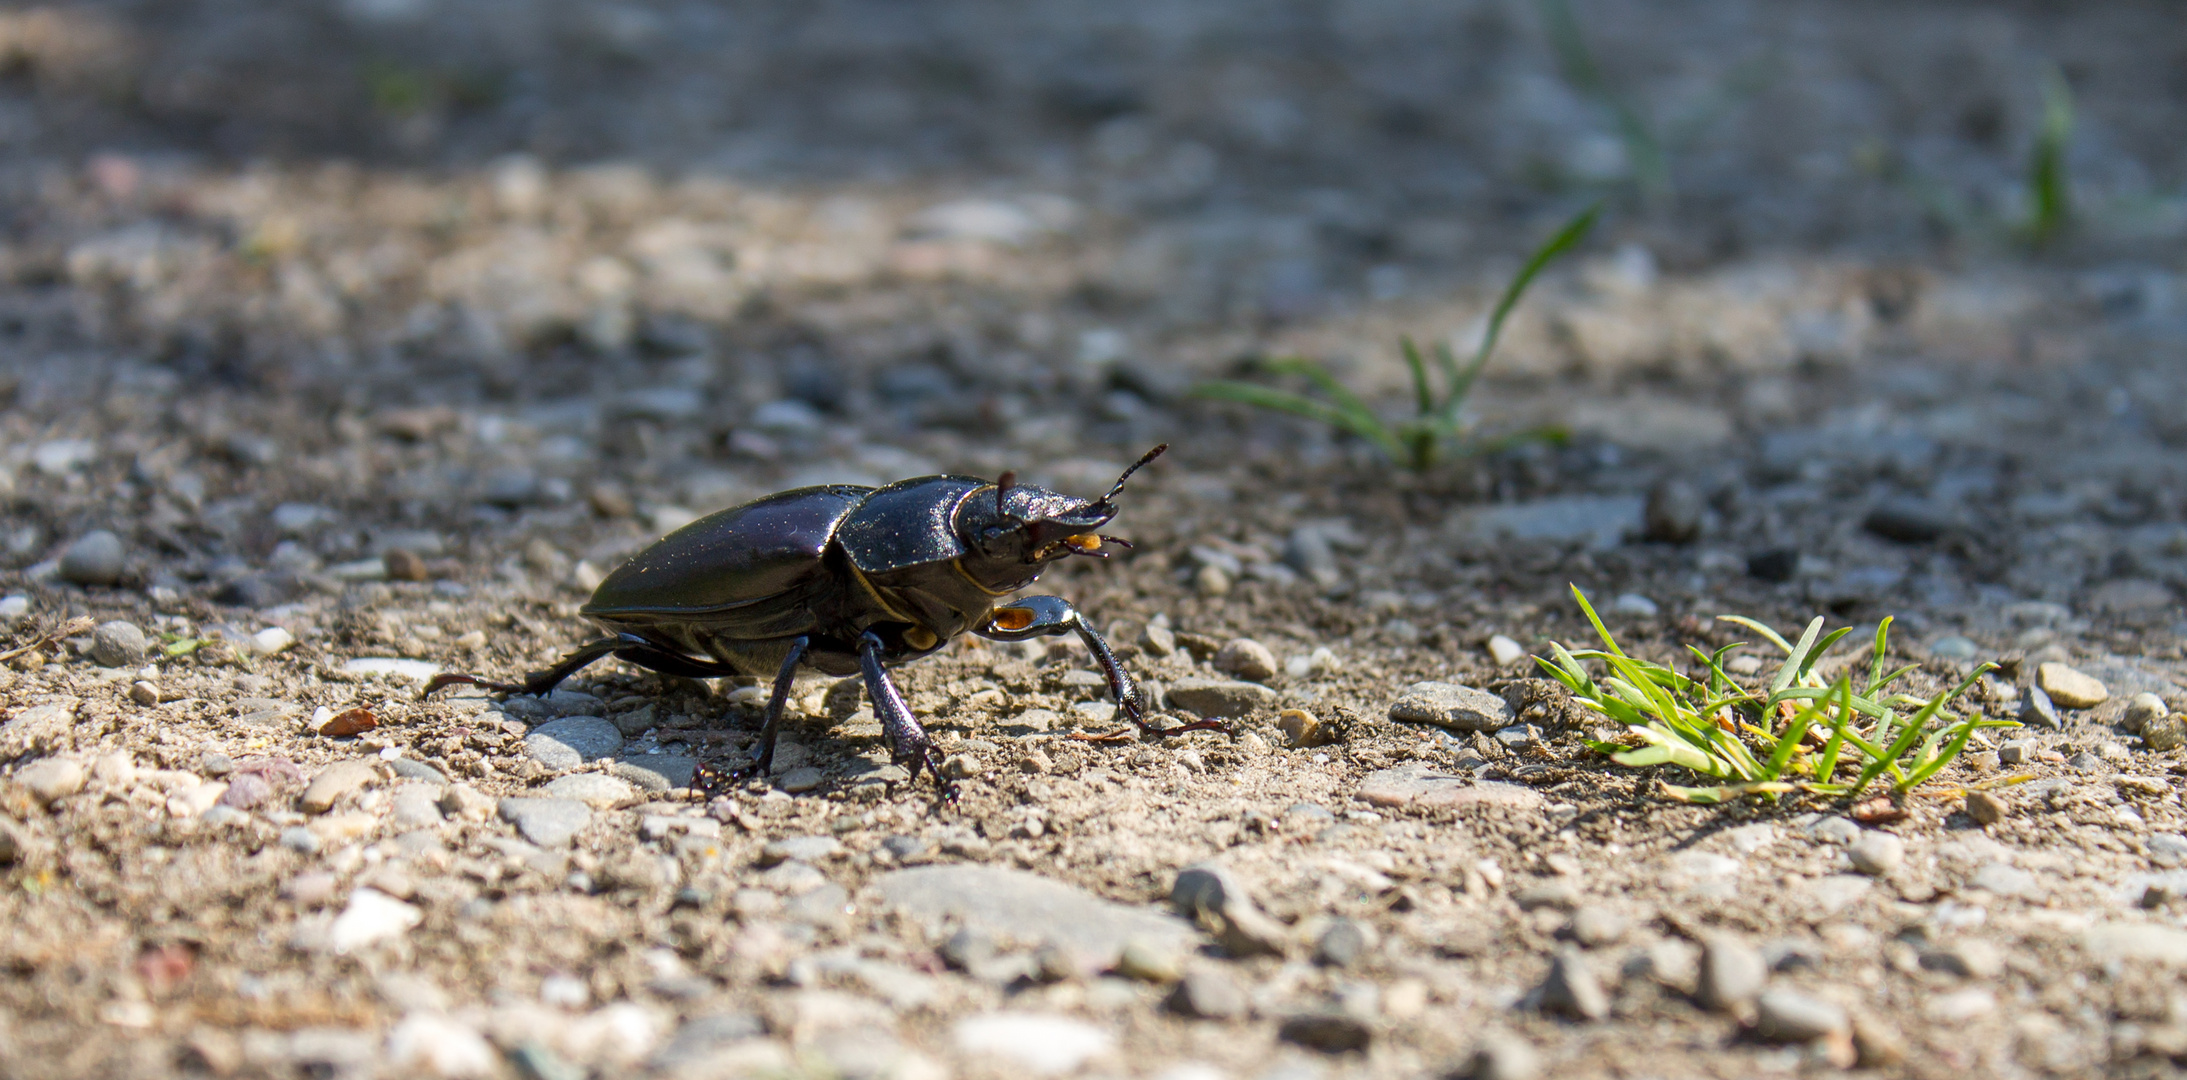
456 258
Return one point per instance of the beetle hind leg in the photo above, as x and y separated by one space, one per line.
909 744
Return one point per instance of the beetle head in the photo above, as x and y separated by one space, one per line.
1030 525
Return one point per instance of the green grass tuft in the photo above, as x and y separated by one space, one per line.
1757 740
1438 422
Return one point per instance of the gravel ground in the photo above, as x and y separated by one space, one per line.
345 344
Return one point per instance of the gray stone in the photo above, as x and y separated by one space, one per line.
335 781
1595 926
572 741
597 790
1307 550
2036 709
1907 521
2167 849
1423 784
1341 945
1207 995
1247 659
119 644
2003 879
1028 908
1877 854
1788 1016
1595 521
1732 975
1987 809
1459 708
1328 1032
416 805
804 778
547 822
1157 640
657 772
1954 647
1219 697
96 558
1572 989
413 769
1835 830
301 840
1213 897
809 849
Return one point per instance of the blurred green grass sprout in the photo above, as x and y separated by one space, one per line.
1438 422
1763 741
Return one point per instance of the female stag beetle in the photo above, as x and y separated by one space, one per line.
850 579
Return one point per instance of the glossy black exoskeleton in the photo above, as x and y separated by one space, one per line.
849 580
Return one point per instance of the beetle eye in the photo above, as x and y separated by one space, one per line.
1013 618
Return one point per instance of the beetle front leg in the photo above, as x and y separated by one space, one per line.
1032 616
909 744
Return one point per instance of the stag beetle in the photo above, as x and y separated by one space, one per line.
849 579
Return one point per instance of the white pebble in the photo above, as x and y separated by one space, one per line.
1039 1044
1504 651
430 1044
271 640
371 917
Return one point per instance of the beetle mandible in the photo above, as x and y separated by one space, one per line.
850 580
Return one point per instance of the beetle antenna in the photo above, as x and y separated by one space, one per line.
1003 484
1143 459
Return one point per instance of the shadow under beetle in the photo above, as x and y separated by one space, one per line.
849 579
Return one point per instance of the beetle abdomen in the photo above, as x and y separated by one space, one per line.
736 557
908 523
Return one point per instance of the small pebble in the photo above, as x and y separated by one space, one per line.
434 1045
301 840
1572 988
403 565
313 889
805 778
94 559
1149 961
2143 708
335 781
50 780
1157 640
2165 733
119 644
1505 652
1341 945
1877 854
2167 849
1985 808
246 791
1634 604
2069 688
13 610
1302 729
1732 975
2016 752
550 823
597 790
1328 1032
143 693
1247 659
1459 708
1211 581
809 849
1787 1016
371 917
272 640
1595 926
1673 512
465 801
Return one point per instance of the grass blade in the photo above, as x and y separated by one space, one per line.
1565 240
1772 636
1793 665
2051 209
1912 731
1423 396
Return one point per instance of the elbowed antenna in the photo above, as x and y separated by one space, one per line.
1143 459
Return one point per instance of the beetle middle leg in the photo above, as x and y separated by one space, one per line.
909 744
1031 616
